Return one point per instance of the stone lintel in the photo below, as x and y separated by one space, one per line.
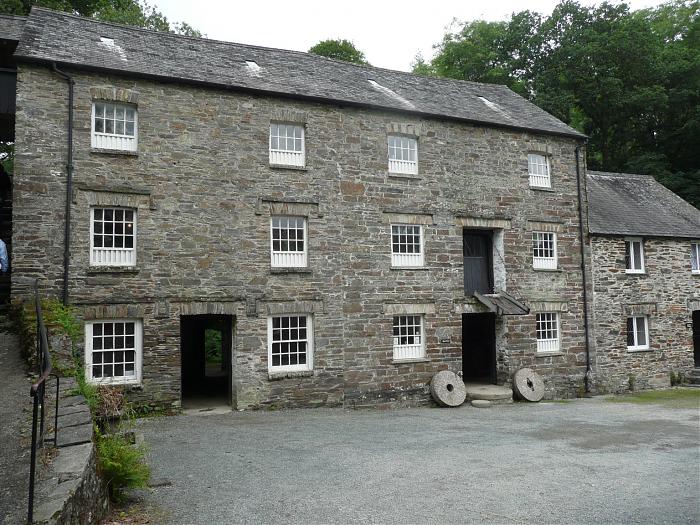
114 94
405 128
294 307
114 196
289 116
548 306
302 208
639 309
408 308
406 217
209 308
493 223
114 311
693 304
545 226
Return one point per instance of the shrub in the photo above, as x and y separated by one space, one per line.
121 463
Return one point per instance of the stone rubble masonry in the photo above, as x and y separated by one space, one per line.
667 293
204 191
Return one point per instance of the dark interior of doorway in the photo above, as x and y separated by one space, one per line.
696 337
205 347
479 348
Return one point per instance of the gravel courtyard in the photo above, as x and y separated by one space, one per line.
586 461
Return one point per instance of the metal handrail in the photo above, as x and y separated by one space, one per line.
38 393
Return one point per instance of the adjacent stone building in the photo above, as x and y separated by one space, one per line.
645 245
347 231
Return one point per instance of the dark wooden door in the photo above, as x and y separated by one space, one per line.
478 272
479 347
696 337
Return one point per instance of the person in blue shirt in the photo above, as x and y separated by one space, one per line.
4 260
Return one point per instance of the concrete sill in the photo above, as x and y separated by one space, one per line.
290 270
549 354
101 151
549 270
409 361
637 274
417 268
639 350
287 167
546 190
278 376
97 270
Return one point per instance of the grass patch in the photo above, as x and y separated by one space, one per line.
560 401
673 398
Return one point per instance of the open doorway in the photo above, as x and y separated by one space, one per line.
479 348
205 350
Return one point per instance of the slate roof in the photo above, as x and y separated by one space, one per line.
51 36
626 204
11 26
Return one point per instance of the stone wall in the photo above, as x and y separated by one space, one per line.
204 191
667 293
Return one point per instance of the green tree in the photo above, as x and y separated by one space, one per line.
339 50
131 12
628 79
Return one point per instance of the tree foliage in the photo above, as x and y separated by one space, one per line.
131 12
339 50
628 79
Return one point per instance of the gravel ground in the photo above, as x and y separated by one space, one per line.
14 448
588 461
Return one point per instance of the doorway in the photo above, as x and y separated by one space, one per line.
205 356
478 265
696 338
479 348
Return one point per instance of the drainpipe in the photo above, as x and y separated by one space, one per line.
587 377
69 182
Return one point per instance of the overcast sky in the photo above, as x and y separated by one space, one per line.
390 33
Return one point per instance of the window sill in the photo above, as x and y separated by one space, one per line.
409 361
542 188
633 272
277 376
288 167
637 350
413 176
549 354
554 270
101 151
94 270
419 268
290 270
695 273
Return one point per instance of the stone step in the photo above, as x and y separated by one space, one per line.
494 393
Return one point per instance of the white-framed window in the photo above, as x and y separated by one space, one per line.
548 332
290 343
114 126
695 257
544 250
638 333
538 169
288 242
406 245
403 155
112 236
634 255
409 342
287 146
113 351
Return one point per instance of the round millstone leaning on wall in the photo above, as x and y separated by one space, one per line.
447 389
528 385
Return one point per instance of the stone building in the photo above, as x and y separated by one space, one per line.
346 231
645 246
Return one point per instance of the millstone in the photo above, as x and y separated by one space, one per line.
528 385
447 389
481 403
